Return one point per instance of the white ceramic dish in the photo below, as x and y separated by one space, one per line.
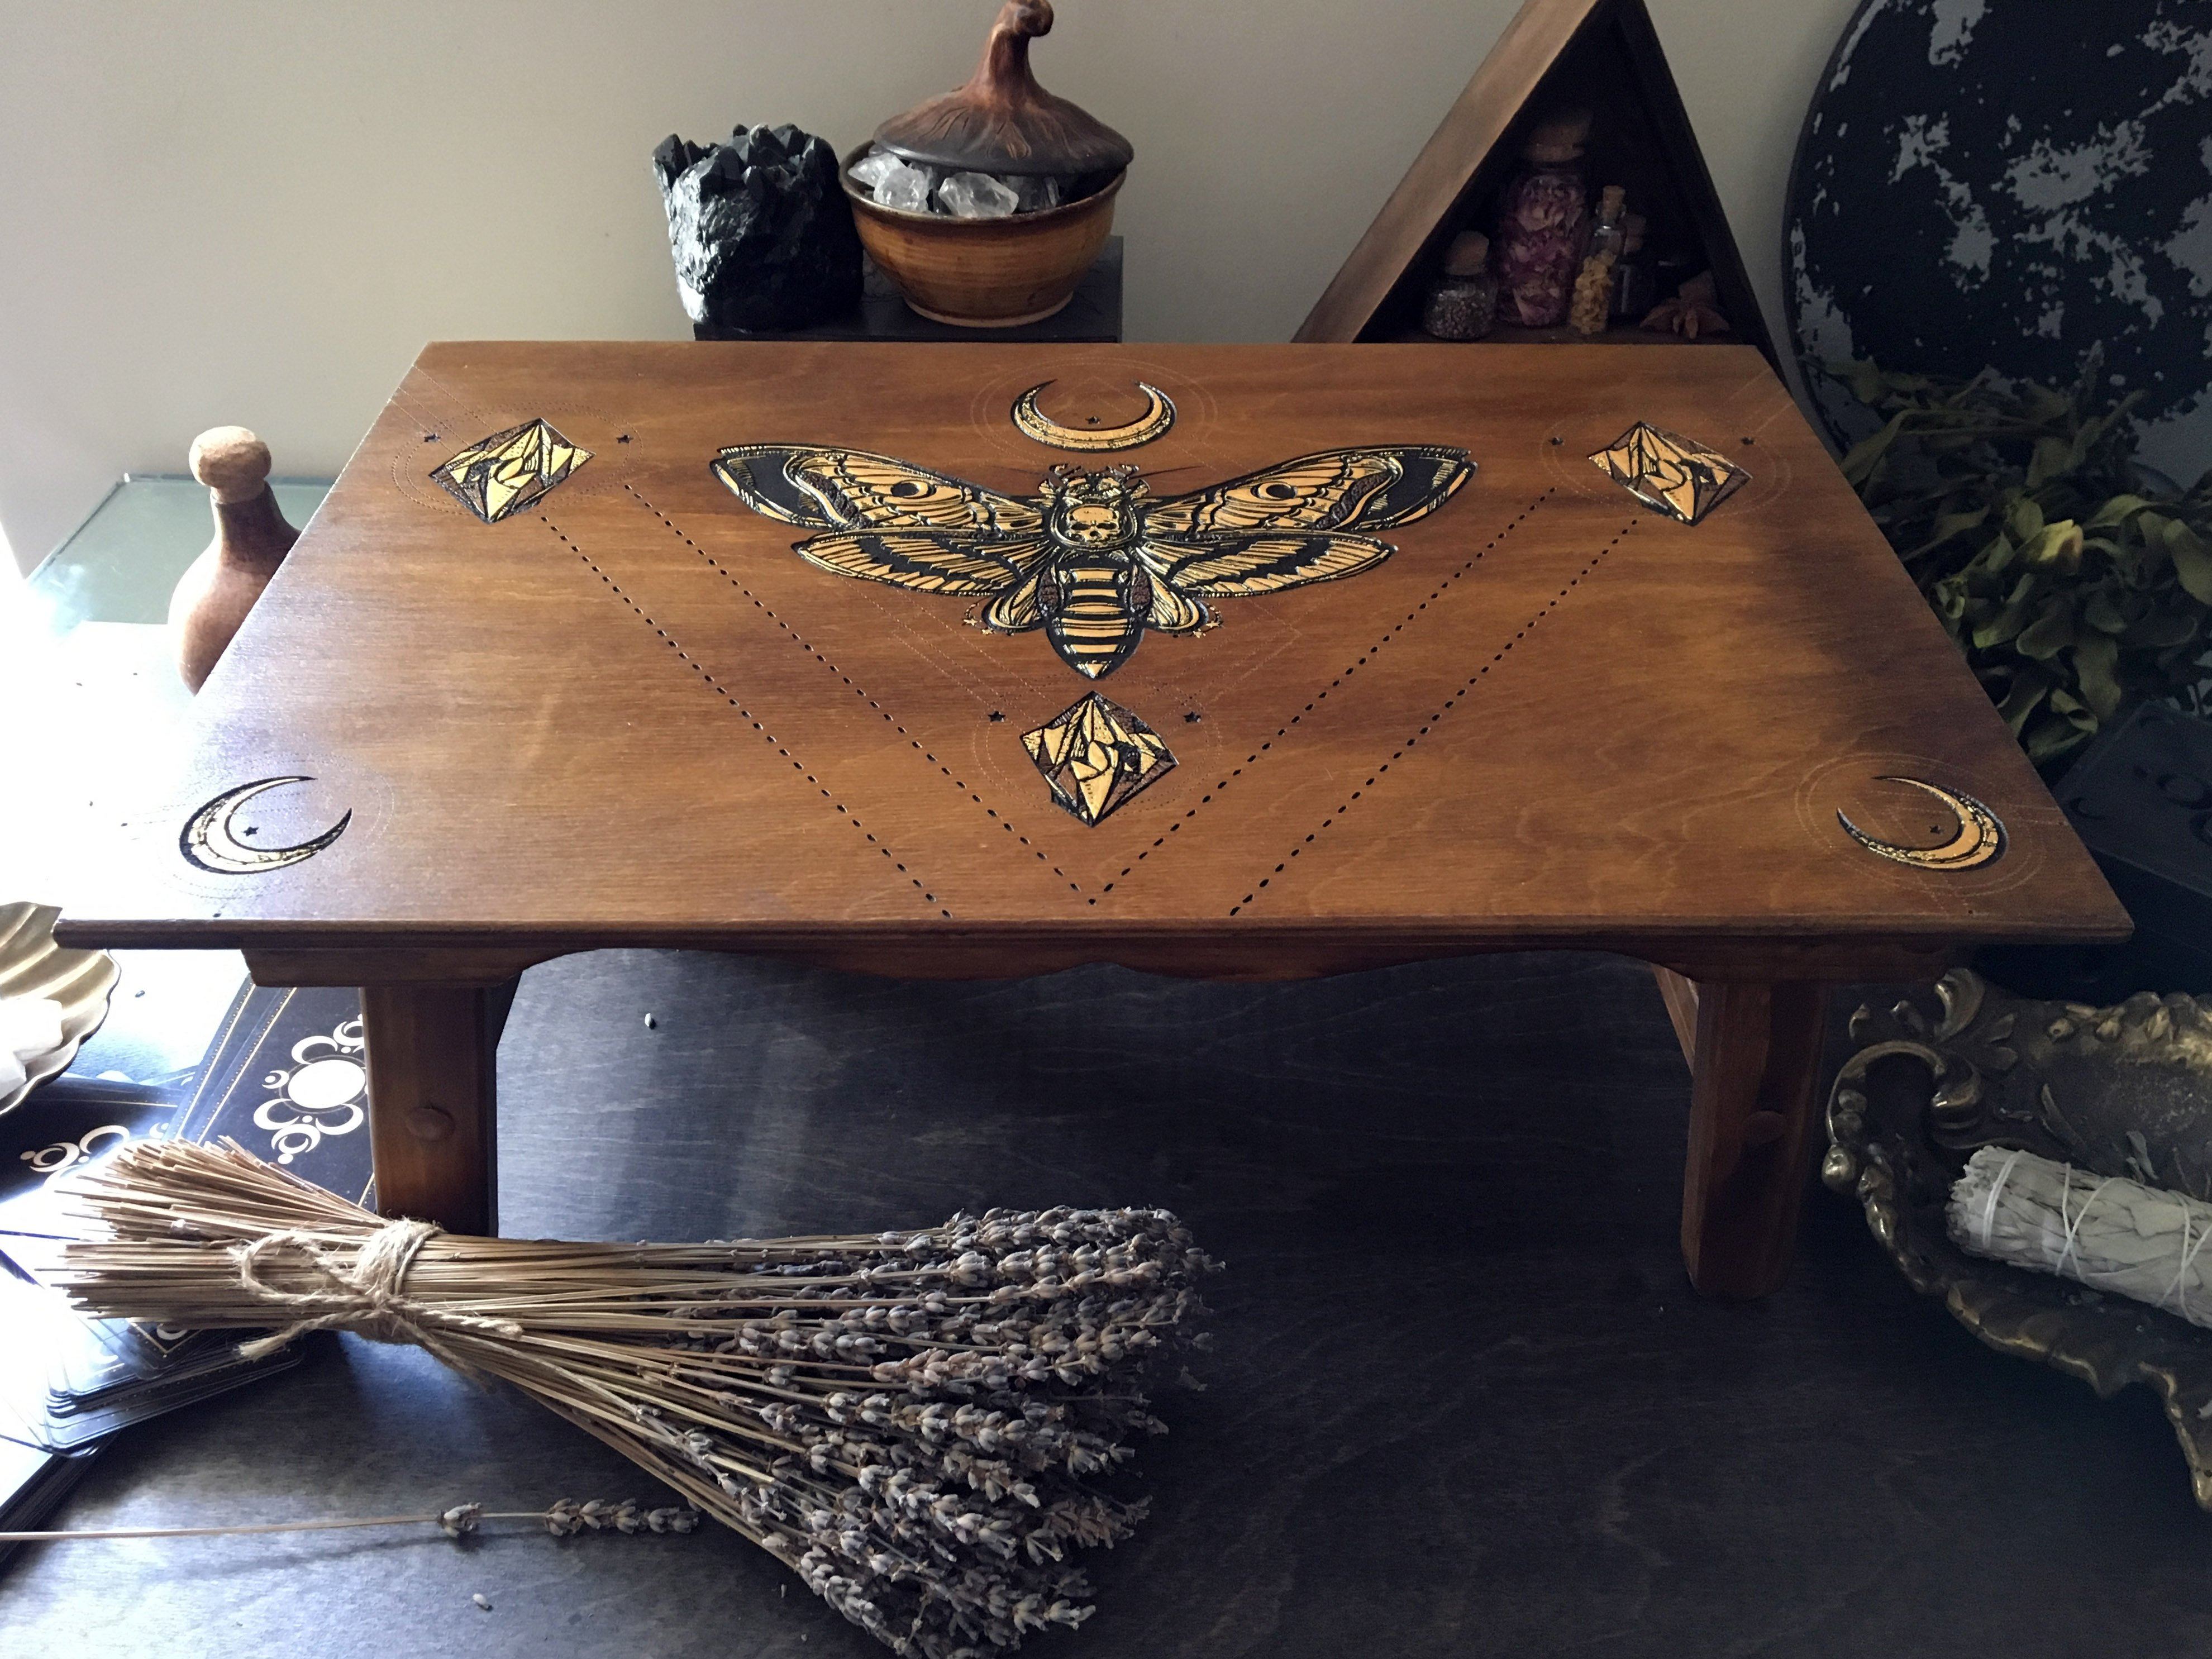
33 965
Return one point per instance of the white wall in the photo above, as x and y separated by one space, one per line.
257 210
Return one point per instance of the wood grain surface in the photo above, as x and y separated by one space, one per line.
629 714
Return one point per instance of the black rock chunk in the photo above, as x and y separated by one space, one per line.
762 234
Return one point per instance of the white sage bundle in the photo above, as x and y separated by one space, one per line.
2106 1231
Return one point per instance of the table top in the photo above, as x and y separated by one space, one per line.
1367 709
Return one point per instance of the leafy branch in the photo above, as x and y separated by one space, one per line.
2074 588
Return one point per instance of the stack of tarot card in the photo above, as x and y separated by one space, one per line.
68 1384
199 1055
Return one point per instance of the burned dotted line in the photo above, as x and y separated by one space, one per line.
847 680
1322 696
1437 718
722 691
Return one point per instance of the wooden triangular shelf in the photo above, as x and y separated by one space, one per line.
1602 55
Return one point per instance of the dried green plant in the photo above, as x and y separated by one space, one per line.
2075 588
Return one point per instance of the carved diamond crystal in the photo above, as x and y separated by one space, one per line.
1095 755
1666 472
508 470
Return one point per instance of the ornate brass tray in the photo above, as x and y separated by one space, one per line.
2124 1090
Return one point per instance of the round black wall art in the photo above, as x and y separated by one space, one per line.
2008 183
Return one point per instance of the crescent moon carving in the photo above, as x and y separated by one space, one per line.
1980 840
208 843
1159 415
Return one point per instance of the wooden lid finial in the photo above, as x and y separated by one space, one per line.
232 462
1002 121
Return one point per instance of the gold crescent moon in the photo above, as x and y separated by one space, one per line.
1159 415
1980 840
207 841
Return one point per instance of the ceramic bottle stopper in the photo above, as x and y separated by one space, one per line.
251 540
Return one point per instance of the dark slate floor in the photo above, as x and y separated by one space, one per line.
1463 1401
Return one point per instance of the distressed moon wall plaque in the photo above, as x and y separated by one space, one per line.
2010 184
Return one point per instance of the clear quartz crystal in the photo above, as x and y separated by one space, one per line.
976 196
895 182
906 187
872 168
1036 192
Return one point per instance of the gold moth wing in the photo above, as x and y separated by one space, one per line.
890 520
1218 541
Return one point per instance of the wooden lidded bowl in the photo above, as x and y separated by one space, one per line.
996 273
984 273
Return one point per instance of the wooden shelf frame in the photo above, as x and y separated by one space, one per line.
1603 54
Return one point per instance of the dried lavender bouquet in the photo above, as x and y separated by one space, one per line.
912 1421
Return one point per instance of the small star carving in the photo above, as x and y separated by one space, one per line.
997 715
1193 718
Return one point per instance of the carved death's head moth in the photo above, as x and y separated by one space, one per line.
1095 559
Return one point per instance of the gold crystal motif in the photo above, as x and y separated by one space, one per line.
1095 755
508 470
1666 472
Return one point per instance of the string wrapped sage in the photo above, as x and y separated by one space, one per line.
2110 1233
915 1422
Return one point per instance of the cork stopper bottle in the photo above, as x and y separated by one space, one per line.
1542 224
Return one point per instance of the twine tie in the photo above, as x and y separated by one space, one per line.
1989 1209
365 1297
2070 1246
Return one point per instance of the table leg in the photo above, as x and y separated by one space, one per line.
1751 1117
432 1082
1681 996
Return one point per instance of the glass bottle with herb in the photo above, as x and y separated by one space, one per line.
1462 302
1592 307
1631 272
1542 222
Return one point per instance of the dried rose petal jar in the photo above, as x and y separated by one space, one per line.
1543 223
